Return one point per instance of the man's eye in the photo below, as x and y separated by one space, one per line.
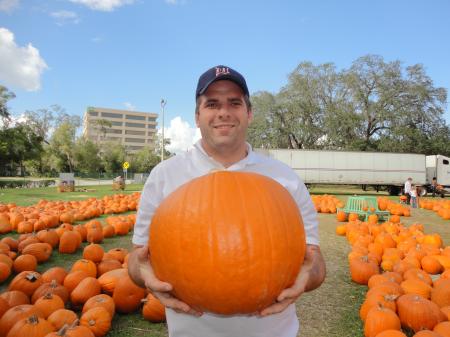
237 103
211 105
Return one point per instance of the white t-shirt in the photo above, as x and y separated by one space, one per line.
407 187
413 193
178 170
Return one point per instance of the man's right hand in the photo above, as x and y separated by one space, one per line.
141 272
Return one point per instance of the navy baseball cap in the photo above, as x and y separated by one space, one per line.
220 73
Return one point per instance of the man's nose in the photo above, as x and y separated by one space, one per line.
224 111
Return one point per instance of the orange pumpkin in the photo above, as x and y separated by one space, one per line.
248 222
153 310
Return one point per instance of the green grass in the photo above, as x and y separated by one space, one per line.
331 310
30 196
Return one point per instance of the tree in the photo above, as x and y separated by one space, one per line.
87 157
102 126
144 160
372 106
388 100
112 157
62 144
5 96
265 129
18 144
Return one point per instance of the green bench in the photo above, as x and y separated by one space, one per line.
356 204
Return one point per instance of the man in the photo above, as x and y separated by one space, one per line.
407 190
223 113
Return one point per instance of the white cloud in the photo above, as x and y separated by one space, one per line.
20 66
103 5
8 5
182 136
63 17
129 106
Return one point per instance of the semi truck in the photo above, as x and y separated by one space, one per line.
380 170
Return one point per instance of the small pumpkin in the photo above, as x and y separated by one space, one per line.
127 295
61 317
26 281
49 303
153 310
98 320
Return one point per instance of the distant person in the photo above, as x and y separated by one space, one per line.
407 190
434 186
413 195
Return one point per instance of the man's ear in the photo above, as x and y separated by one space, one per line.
250 115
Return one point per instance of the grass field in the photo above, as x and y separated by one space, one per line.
331 310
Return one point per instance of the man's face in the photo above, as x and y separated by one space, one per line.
223 117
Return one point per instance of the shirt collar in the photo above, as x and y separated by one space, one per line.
250 159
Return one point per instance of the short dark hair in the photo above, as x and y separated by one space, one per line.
247 101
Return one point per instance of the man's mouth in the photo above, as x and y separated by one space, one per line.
223 126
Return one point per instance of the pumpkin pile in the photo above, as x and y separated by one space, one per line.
31 249
441 207
241 232
78 302
50 214
326 203
395 208
408 276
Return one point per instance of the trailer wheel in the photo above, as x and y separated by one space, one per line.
394 190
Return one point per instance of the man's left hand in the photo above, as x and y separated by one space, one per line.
310 277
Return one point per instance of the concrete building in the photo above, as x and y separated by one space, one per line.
135 130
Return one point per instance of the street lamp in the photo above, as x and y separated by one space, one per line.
163 104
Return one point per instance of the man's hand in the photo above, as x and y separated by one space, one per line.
310 277
141 272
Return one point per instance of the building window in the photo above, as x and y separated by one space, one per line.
137 118
151 126
113 131
93 113
131 147
111 115
136 133
116 123
134 140
151 119
114 138
135 125
151 133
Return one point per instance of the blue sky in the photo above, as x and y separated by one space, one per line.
131 53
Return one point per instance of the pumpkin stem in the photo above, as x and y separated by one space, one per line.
33 320
32 277
62 331
48 296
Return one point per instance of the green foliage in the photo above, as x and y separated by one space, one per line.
113 156
144 160
372 106
87 156
5 96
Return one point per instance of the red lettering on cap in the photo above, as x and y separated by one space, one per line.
222 71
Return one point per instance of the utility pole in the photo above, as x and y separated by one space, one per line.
163 104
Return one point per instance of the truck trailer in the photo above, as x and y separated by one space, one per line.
380 170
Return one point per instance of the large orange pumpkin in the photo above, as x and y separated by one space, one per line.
228 242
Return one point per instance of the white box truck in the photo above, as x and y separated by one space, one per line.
381 170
